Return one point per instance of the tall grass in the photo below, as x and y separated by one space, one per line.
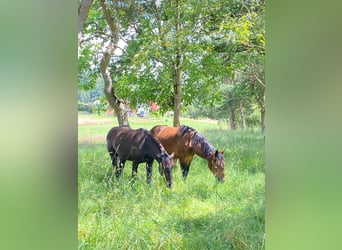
199 213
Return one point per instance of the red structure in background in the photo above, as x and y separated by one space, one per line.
110 111
154 106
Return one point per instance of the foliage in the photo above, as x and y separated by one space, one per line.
88 71
199 213
196 111
242 45
93 100
93 94
152 55
222 44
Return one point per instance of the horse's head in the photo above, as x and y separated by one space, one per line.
216 165
165 168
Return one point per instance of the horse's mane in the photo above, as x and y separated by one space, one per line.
198 140
184 128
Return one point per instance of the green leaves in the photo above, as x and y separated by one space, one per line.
214 41
88 72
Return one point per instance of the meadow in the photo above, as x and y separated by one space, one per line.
199 213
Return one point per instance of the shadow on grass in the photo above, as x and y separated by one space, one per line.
242 229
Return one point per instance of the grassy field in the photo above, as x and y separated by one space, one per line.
199 213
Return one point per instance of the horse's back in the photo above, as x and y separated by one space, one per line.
164 131
157 129
113 134
126 142
114 130
171 139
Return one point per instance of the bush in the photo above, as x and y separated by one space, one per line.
85 107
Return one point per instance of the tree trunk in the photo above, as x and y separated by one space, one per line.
177 90
242 116
232 119
109 90
83 10
178 70
258 84
261 103
231 106
113 100
262 119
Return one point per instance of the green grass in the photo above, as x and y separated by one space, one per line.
199 213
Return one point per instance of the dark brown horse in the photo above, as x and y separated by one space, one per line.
185 142
138 146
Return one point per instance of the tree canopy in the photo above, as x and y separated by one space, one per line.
208 54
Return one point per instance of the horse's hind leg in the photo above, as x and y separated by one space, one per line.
114 158
149 171
118 169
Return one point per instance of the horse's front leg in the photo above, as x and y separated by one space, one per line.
149 165
118 169
185 168
134 168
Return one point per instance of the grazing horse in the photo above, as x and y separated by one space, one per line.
185 142
138 146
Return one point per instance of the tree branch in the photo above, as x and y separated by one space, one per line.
258 80
83 10
113 25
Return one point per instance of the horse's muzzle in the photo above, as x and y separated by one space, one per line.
221 179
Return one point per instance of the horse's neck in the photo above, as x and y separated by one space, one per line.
158 156
203 149
155 152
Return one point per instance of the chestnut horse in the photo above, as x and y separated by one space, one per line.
185 142
138 146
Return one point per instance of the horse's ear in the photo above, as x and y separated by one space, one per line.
222 152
